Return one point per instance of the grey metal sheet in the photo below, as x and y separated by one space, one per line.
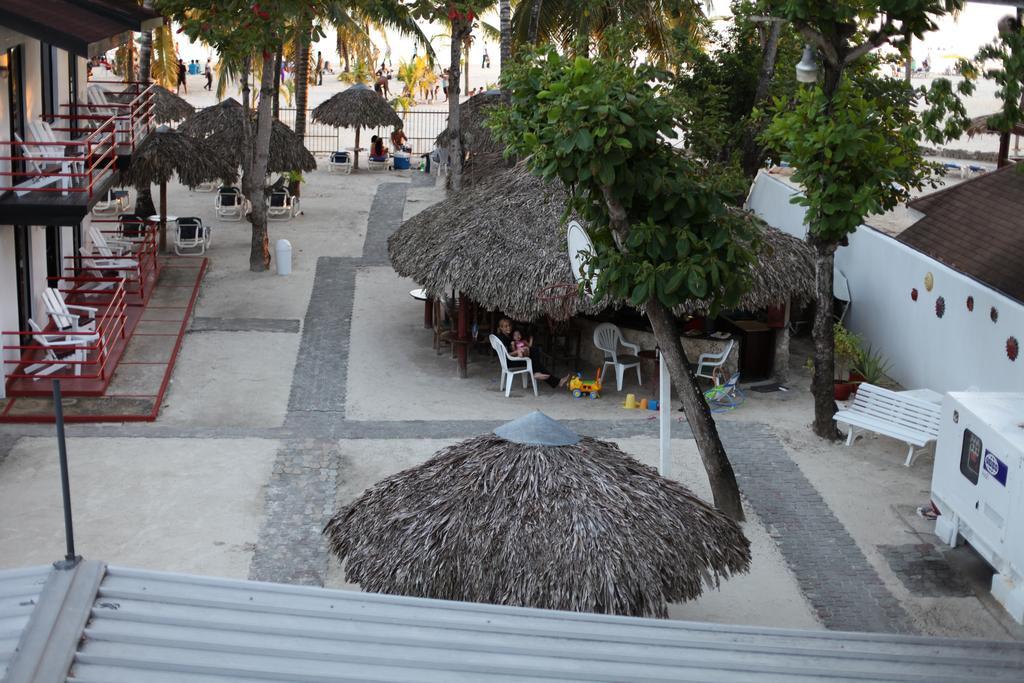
19 593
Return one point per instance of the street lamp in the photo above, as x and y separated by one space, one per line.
807 69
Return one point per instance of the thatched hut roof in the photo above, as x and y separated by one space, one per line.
167 107
165 153
979 125
515 520
221 126
476 137
501 241
357 107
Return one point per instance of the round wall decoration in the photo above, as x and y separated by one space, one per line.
994 314
1012 348
940 307
929 281
913 294
970 303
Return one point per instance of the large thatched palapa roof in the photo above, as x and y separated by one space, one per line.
501 241
221 126
535 516
357 107
476 137
165 153
167 107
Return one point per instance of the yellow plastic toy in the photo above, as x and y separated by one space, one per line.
579 386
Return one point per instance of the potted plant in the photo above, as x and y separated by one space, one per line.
848 351
872 366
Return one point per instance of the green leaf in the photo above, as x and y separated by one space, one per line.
584 140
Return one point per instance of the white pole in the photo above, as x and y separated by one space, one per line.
664 414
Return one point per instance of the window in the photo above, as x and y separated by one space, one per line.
16 102
73 90
53 254
970 456
48 72
23 277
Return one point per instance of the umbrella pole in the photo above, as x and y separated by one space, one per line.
163 217
463 346
355 153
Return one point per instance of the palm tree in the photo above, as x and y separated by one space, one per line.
505 26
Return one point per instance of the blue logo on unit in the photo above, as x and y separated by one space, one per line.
995 468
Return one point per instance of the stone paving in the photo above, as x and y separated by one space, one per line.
924 572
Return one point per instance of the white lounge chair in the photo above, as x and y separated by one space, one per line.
40 162
113 202
507 374
608 338
230 204
124 267
913 421
191 235
108 247
68 318
340 161
385 163
707 363
281 205
59 350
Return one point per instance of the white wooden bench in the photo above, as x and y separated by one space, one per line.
911 420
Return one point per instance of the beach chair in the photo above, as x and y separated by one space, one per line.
108 247
384 163
132 228
507 374
340 161
43 167
728 396
230 205
68 318
608 338
120 267
59 350
113 202
281 205
708 363
191 235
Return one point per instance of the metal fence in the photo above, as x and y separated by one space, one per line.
421 126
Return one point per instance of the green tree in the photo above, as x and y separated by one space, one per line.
662 236
1002 61
853 138
239 29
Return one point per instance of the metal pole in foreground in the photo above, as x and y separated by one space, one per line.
70 559
664 415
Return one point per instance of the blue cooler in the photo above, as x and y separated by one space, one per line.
401 161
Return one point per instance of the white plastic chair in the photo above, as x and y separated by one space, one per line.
340 161
506 374
68 318
281 205
191 235
59 350
707 363
230 204
386 163
608 338
38 159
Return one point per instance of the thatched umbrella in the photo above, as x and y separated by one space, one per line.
979 125
534 515
165 153
221 126
484 154
500 243
167 107
357 107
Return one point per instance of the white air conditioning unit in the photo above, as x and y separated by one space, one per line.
978 485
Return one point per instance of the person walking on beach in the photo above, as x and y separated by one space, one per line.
485 63
319 68
208 72
181 76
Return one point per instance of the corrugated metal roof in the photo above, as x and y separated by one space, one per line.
160 627
19 594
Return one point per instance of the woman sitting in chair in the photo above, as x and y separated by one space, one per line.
377 150
504 334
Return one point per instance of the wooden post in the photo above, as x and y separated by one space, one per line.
463 349
355 154
428 312
780 365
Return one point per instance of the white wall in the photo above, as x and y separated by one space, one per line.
961 350
8 299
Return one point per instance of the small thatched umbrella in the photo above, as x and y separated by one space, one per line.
357 107
500 243
165 153
167 107
534 515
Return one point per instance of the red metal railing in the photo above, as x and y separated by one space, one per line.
95 135
138 268
111 320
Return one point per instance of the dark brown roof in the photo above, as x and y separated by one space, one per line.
977 228
82 27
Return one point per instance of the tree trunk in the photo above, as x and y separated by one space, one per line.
535 21
505 25
824 342
780 362
724 489
466 51
144 205
246 70
908 70
259 251
301 82
277 81
752 151
459 31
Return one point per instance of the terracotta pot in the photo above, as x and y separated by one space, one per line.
842 390
856 377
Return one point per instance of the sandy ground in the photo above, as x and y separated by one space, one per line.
766 596
185 505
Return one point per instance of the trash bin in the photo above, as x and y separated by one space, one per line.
284 257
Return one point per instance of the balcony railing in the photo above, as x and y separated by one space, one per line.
74 153
138 268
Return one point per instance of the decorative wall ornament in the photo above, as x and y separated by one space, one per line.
1012 348
940 307
970 303
994 314
913 294
929 281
